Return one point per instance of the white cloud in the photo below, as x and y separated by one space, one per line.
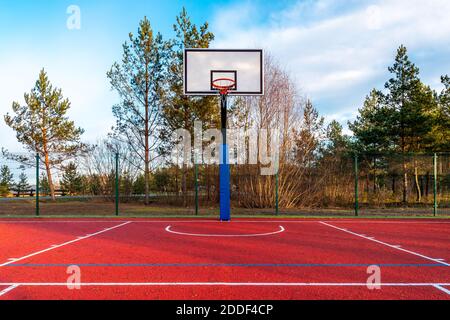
338 79
337 53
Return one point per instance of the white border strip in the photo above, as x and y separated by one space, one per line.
282 229
10 288
238 284
440 287
313 220
13 260
393 221
387 244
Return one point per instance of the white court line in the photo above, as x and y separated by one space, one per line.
386 244
232 284
225 235
157 221
63 244
395 222
10 288
62 221
439 287
149 220
312 220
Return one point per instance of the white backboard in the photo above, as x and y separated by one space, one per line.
244 66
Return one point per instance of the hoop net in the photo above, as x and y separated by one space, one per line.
223 85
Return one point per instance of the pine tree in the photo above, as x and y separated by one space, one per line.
400 120
444 97
43 127
44 187
444 107
371 128
139 80
181 111
409 102
162 180
126 184
440 136
6 180
337 143
22 186
139 185
308 138
334 158
94 185
71 181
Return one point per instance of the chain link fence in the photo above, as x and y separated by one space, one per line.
403 184
17 187
105 183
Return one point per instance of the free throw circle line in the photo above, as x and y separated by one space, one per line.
282 229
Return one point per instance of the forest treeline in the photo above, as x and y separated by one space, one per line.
396 125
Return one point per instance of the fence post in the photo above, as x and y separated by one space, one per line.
196 188
435 203
37 184
117 184
356 187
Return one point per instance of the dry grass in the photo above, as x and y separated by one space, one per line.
26 207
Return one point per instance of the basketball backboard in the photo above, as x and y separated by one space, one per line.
245 67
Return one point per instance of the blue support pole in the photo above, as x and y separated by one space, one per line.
224 169
224 166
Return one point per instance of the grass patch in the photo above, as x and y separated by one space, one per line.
103 209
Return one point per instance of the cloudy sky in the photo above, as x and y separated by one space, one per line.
335 50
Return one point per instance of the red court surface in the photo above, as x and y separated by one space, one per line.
205 259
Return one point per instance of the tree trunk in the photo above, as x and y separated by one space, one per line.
238 184
147 176
393 184
184 184
367 191
405 183
49 177
403 148
416 175
177 187
147 138
184 172
47 164
374 175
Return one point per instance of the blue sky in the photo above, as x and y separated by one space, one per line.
335 50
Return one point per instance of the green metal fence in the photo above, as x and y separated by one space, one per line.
413 184
361 185
17 188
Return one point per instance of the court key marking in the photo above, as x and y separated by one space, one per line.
168 229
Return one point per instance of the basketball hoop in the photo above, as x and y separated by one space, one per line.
223 73
223 85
